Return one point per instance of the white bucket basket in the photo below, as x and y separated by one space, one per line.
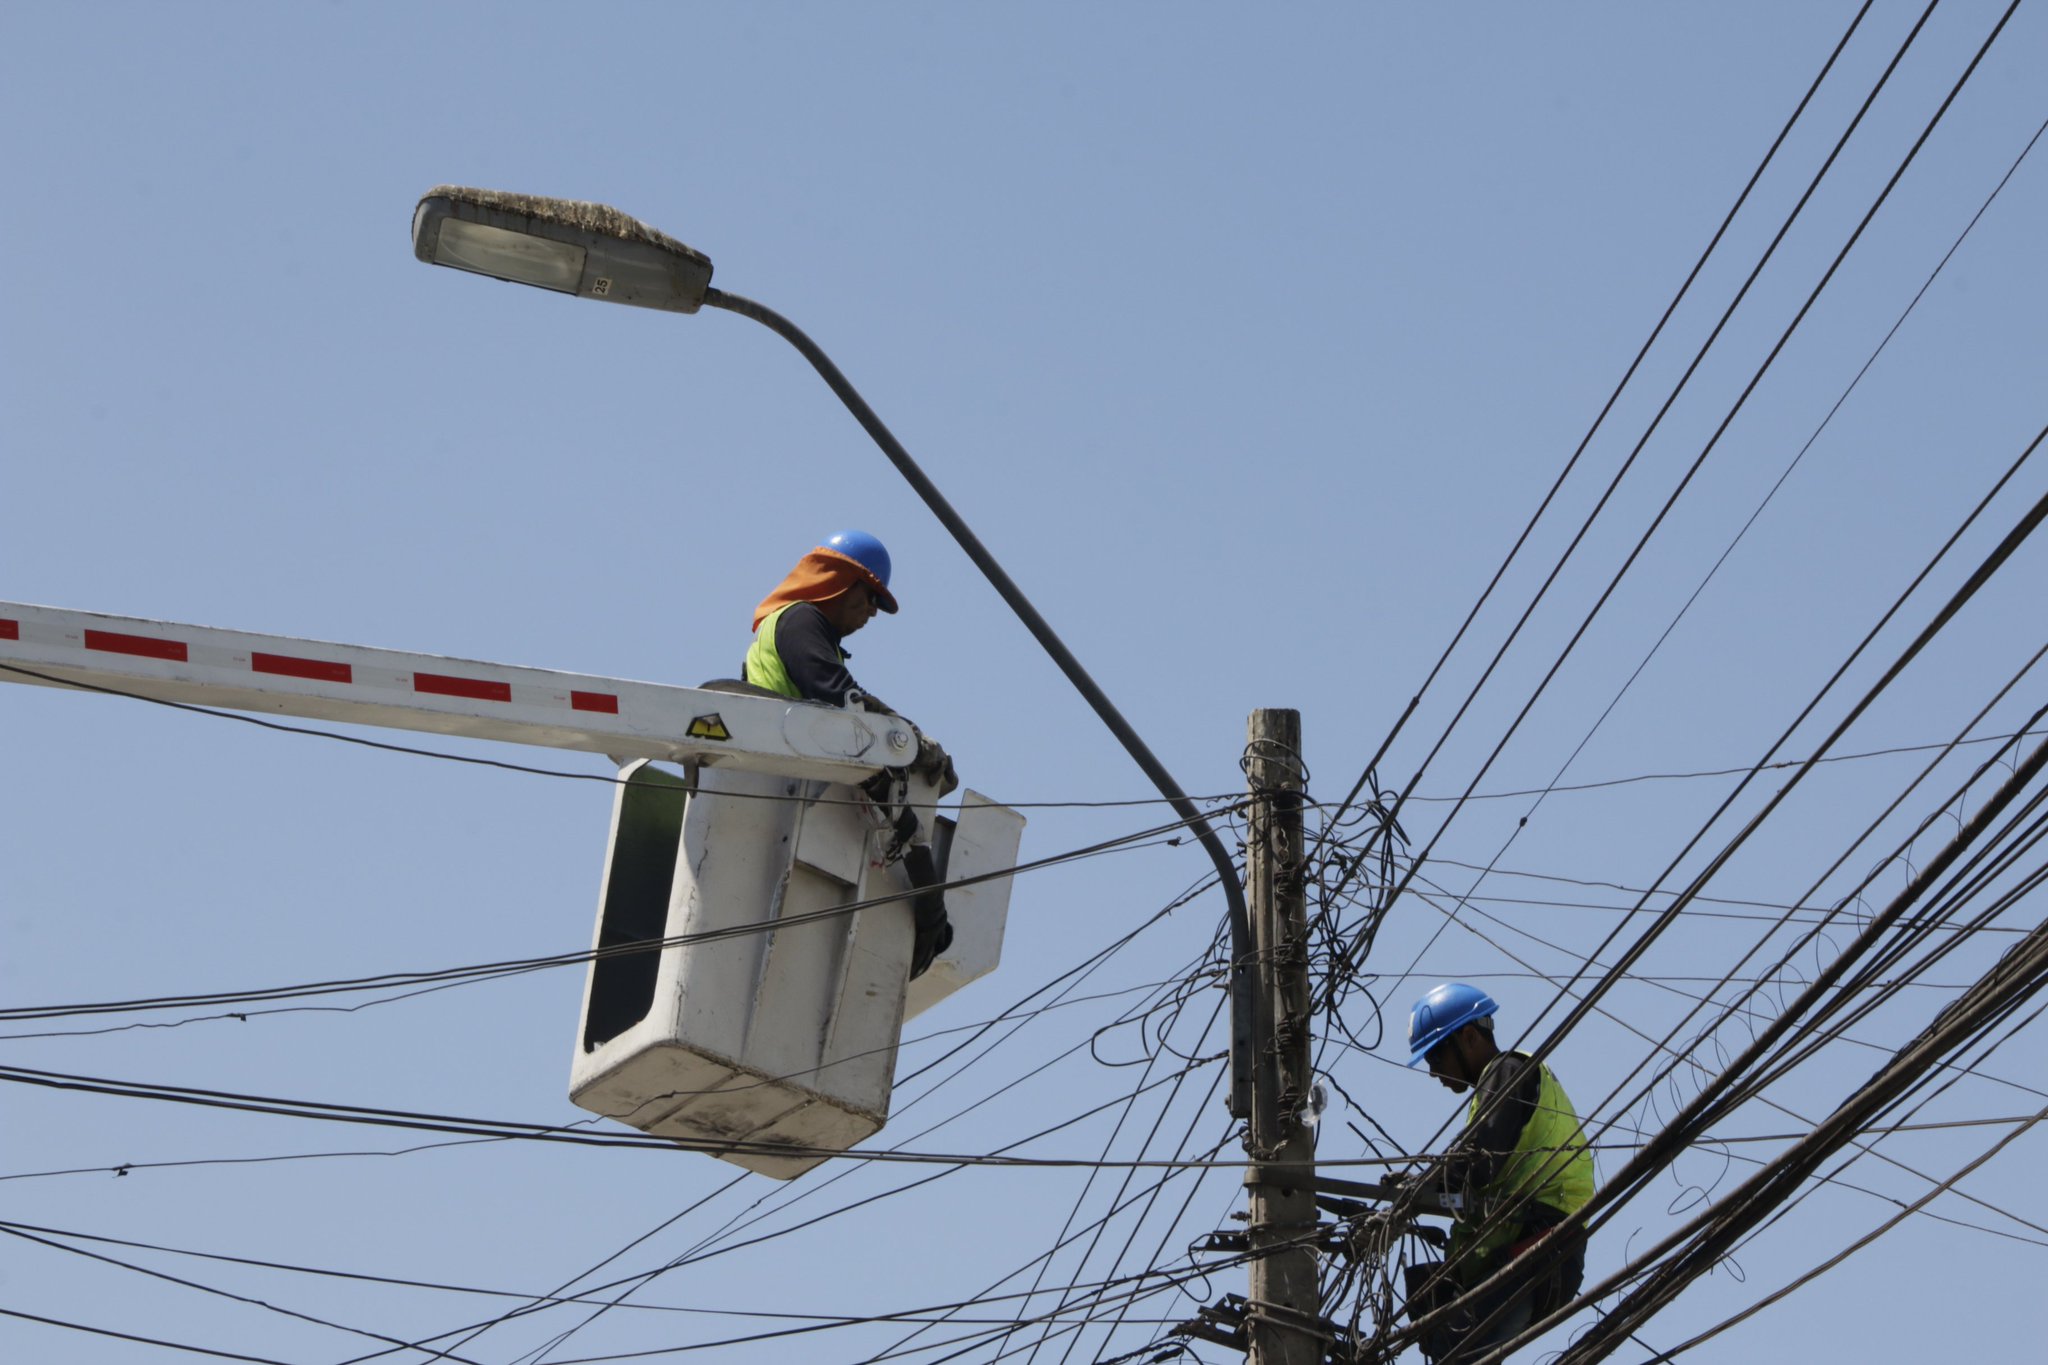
774 1026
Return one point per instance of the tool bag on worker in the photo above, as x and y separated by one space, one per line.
1430 1288
1546 1265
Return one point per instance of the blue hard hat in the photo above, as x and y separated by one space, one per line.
1443 1012
864 550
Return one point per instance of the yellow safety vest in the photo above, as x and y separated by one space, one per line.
1550 1165
763 666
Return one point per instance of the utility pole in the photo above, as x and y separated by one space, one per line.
1283 1322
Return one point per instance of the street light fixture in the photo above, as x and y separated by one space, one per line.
596 252
588 250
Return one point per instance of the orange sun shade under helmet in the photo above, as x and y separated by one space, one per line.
821 576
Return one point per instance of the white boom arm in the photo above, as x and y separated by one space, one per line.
282 675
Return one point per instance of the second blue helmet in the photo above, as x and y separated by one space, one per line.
1441 1013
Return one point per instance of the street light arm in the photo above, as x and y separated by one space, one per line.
1243 994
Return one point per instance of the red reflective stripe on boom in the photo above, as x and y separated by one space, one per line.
10 630
446 686
594 701
291 667
113 642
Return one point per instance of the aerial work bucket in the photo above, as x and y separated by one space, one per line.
768 1022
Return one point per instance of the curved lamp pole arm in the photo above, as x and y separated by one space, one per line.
1243 995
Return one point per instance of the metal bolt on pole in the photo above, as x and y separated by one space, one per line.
1283 1322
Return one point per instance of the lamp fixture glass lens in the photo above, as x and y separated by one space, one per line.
510 255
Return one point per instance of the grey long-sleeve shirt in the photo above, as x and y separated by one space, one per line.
812 654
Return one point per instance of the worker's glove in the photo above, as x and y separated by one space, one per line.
862 700
937 763
934 929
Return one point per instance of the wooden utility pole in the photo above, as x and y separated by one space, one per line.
1283 1321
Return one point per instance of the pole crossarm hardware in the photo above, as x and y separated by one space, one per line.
1428 1197
283 675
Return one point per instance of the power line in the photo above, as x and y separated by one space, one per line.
516 966
534 1132
709 1252
17 1232
1073 977
145 1341
1990 565
1542 793
1798 456
1702 1106
1555 789
1683 289
1717 1140
398 1282
1348 958
1177 1078
1807 1277
1081 1266
1620 969
1884 919
2020 973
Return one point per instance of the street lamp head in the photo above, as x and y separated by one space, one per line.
591 250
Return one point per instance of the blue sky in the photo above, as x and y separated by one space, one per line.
1247 338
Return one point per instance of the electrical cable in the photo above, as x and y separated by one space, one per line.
1787 913
1604 1192
1683 289
1072 976
516 966
104 1259
340 1113
145 1341
693 1310
1543 794
1808 1276
1664 1147
1348 959
1567 788
1130 1173
1705 1104
1920 1105
1985 570
1178 1079
1870 931
1664 1045
1179 1217
1069 1235
996 1157
2021 972
1634 951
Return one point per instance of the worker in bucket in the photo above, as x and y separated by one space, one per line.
798 652
832 592
1524 1168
